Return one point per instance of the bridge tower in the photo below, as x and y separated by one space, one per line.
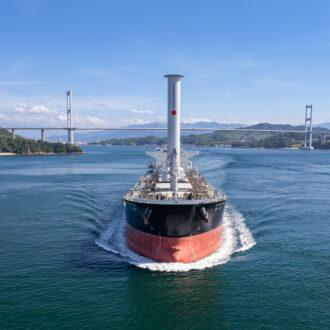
69 117
308 128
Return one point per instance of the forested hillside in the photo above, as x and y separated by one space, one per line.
23 146
235 138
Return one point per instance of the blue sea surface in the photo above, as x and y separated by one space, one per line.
65 262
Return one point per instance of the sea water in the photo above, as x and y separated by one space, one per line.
65 261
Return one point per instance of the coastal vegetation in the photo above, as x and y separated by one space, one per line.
21 146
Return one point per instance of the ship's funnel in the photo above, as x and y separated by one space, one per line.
173 116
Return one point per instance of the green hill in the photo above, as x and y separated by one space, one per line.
209 139
287 127
21 146
233 138
4 132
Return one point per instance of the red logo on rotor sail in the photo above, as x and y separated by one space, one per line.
173 112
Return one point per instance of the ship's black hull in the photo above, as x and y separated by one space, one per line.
174 220
174 232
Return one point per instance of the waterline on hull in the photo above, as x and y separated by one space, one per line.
236 238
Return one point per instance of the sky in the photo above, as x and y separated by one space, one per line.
244 61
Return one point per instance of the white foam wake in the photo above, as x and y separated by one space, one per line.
236 238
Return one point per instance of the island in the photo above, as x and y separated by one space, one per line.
22 146
235 139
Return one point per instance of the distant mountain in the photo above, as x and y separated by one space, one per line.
212 124
324 125
104 135
236 138
199 124
316 128
273 126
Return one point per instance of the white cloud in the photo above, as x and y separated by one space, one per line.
137 111
90 113
23 108
98 121
149 112
19 109
134 121
85 121
62 117
193 120
4 117
40 116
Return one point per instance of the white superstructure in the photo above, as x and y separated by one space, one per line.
173 179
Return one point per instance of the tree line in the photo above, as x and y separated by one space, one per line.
234 139
23 146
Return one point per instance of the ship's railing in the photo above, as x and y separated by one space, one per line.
147 194
144 188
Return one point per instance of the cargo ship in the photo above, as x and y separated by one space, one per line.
173 214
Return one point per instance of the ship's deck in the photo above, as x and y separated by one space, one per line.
191 187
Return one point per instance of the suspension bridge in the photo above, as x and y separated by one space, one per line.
308 131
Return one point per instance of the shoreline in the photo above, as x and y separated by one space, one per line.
192 146
41 153
7 154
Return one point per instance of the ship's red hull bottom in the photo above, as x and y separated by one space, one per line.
174 249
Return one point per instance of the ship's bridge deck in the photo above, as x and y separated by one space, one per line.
190 187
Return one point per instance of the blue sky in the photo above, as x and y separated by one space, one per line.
244 61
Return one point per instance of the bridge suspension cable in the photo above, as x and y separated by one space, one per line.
70 128
287 114
325 117
49 99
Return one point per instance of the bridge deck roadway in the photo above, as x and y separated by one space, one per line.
156 129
